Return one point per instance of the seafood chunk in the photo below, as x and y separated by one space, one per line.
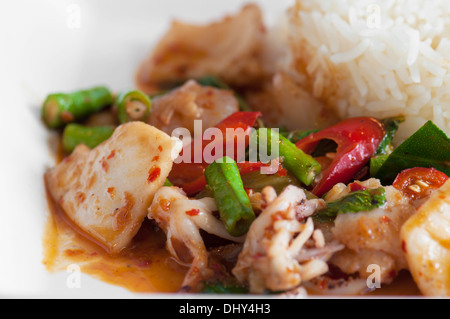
180 107
230 49
280 251
181 219
286 103
106 191
426 243
372 237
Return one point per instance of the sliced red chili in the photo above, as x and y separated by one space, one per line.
193 212
357 140
354 187
418 182
189 176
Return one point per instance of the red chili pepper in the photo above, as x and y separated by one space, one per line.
417 182
354 187
235 131
357 139
193 212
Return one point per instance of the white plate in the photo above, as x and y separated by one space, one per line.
62 45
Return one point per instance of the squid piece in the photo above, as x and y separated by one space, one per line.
106 191
280 251
182 219
190 102
372 237
230 49
425 241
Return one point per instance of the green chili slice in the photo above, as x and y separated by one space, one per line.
133 105
303 166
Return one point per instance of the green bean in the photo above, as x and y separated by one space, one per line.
303 166
75 134
133 105
59 109
232 201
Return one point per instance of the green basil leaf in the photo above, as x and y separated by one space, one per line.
358 201
429 146
391 127
376 162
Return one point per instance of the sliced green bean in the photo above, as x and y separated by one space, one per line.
91 136
59 109
232 201
303 166
133 105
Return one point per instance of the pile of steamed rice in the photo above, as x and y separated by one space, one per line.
377 58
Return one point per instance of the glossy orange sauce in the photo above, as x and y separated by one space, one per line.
145 266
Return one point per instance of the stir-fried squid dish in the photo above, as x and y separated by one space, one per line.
310 157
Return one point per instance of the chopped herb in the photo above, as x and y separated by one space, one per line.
167 183
358 201
376 162
428 147
391 126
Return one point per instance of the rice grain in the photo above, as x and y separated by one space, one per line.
366 58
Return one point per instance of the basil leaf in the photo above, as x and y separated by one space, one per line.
358 201
376 162
391 127
428 147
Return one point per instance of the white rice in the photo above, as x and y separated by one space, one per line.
379 58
